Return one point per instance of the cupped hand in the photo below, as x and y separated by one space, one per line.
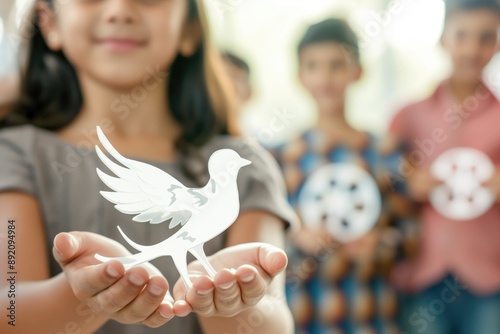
244 273
139 295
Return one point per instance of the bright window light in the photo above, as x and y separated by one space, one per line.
417 24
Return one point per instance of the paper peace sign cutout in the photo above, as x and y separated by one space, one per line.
462 196
342 196
153 196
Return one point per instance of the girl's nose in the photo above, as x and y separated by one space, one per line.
121 11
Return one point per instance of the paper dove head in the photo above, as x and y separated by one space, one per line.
226 160
154 196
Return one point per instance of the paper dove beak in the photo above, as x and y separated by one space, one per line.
245 162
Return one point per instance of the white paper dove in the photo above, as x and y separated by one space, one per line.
154 196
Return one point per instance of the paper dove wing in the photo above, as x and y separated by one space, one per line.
144 190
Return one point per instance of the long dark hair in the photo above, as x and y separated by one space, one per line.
51 97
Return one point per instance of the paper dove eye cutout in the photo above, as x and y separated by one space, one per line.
342 196
462 196
154 196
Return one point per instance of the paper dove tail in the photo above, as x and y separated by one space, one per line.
132 260
140 248
147 253
129 261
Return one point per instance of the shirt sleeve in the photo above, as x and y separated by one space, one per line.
15 171
261 184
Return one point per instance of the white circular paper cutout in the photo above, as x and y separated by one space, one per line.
462 196
342 196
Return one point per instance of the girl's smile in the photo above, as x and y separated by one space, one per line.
120 44
111 42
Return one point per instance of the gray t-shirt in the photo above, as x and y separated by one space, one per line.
63 178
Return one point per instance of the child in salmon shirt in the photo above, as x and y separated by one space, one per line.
453 286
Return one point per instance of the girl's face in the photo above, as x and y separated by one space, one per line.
119 42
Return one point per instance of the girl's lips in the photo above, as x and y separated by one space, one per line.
121 45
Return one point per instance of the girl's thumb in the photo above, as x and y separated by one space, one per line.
275 260
65 247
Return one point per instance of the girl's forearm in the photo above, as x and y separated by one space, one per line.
270 316
46 307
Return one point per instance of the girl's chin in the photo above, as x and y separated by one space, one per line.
121 77
127 85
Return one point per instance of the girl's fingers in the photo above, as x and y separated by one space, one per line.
182 308
168 298
253 286
231 291
121 293
227 294
201 296
272 260
92 280
163 314
146 303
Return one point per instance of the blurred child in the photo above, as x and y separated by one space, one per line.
146 72
454 284
239 72
332 288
